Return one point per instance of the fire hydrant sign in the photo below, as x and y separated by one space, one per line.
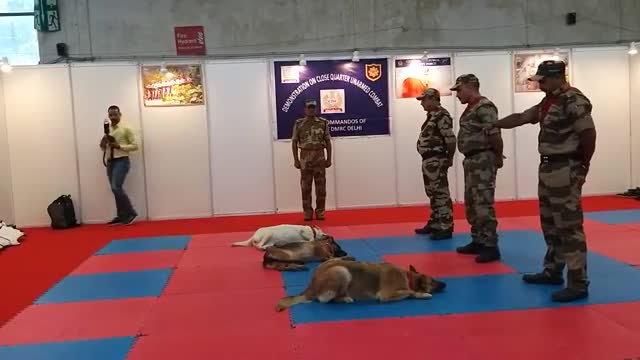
190 40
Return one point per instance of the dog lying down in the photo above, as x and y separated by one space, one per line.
347 281
294 256
279 235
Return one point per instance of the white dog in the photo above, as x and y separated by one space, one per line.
281 235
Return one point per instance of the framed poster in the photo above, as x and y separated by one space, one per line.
352 96
526 65
173 85
413 76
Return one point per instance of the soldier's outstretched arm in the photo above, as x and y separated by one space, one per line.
528 116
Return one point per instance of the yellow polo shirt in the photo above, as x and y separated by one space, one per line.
124 136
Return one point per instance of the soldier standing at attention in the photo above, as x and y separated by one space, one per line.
437 145
481 144
311 136
566 143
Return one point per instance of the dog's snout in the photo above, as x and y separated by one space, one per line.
341 253
438 286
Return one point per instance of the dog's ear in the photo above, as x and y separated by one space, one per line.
412 269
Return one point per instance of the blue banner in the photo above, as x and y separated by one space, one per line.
352 96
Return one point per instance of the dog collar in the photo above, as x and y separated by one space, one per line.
313 230
410 280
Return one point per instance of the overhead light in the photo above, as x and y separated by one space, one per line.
302 61
425 55
4 65
356 56
632 48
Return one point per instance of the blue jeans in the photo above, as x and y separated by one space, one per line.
117 170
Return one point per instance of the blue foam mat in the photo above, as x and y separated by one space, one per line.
105 286
145 244
611 282
101 349
615 217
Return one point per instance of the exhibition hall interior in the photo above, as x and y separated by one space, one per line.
235 179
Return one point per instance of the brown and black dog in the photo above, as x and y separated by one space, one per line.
347 281
294 256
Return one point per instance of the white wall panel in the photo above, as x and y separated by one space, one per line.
241 151
408 117
177 161
41 140
95 88
6 196
494 72
634 83
603 75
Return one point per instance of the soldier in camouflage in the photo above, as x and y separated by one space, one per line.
311 137
437 145
566 144
481 144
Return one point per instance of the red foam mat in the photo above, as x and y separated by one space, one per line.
446 264
73 321
129 262
218 240
623 246
559 333
243 314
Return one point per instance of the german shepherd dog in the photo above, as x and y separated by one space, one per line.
294 256
347 281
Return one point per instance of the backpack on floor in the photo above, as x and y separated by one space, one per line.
62 213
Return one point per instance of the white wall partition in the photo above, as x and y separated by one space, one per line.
95 88
408 117
240 134
41 140
222 158
603 75
176 153
493 71
6 195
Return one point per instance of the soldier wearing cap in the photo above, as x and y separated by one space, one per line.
437 145
311 137
566 144
481 144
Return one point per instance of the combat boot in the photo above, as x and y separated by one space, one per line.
441 234
488 254
308 216
320 215
569 294
543 278
426 230
471 248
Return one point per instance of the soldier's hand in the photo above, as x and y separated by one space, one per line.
499 163
297 164
328 164
449 163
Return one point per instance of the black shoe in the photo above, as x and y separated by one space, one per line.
543 278
488 254
441 235
471 248
426 230
129 220
569 294
115 221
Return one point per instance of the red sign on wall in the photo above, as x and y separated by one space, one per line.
190 40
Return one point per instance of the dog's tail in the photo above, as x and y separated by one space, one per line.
243 243
289 301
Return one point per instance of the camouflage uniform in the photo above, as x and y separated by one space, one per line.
480 170
562 115
435 134
312 136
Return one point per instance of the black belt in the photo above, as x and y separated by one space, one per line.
560 157
475 152
430 154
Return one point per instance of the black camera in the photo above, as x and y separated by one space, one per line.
106 126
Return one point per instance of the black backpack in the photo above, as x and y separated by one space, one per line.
62 213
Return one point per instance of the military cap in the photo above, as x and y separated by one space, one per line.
310 102
430 93
465 79
549 68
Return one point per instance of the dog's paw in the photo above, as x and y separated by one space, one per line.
422 295
344 299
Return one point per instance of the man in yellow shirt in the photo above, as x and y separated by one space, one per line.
117 145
